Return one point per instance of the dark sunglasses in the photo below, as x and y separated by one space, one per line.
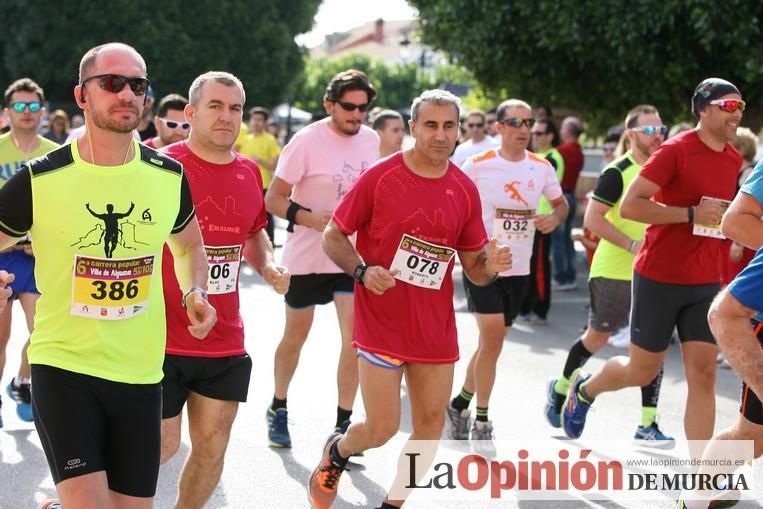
539 133
519 122
473 126
352 106
114 83
20 106
171 124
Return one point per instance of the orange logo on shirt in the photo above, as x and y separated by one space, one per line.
514 193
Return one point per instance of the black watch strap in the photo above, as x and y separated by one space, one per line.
359 271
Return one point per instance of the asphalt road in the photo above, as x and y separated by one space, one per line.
256 476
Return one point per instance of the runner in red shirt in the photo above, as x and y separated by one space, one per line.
677 273
213 375
413 212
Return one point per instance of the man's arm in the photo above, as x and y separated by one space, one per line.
742 222
729 320
482 267
548 222
338 247
637 205
191 269
258 252
278 203
596 221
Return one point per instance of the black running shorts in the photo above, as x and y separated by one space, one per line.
223 378
504 295
750 406
660 307
306 290
88 424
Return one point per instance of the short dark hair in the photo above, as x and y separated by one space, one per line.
171 102
380 120
500 113
259 110
351 79
553 130
23 85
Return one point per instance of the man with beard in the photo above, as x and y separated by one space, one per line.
612 268
315 171
171 125
679 193
98 346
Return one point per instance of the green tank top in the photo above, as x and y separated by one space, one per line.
98 234
544 207
611 261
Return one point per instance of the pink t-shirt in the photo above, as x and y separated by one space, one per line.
321 165
408 322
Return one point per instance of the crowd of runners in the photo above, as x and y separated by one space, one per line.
125 257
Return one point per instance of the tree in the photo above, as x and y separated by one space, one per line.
602 58
178 39
396 84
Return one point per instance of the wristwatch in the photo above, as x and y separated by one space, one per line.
359 271
194 289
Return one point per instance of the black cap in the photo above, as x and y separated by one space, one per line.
708 90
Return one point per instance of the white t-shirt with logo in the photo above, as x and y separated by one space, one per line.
510 192
321 166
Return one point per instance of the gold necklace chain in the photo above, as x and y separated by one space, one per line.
90 146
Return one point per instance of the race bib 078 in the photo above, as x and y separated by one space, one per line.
110 288
421 263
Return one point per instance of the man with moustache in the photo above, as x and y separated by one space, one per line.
315 170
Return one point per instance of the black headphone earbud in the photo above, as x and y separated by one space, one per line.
82 94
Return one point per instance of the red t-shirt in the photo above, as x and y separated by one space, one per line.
230 209
408 322
686 170
150 143
573 165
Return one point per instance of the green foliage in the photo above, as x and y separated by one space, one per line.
397 84
602 58
178 39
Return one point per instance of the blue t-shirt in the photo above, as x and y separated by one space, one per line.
747 287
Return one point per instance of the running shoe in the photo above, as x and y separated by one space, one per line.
51 504
652 436
459 423
278 427
324 481
482 437
554 404
621 338
575 409
22 394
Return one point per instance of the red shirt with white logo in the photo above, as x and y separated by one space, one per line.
230 209
409 322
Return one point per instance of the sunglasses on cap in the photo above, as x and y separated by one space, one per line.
20 106
352 106
171 124
651 130
114 83
729 105
519 122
